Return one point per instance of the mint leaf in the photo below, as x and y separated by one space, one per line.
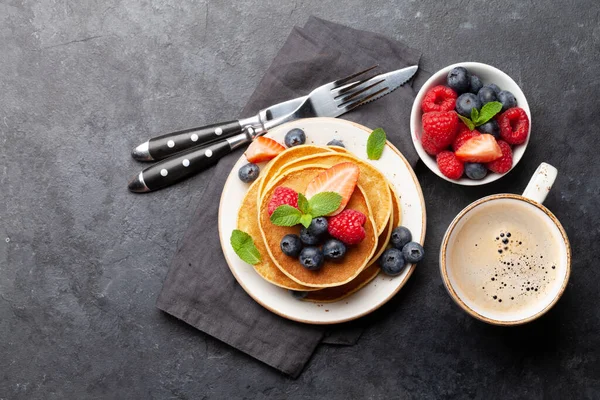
244 247
324 203
302 203
375 144
305 220
474 114
286 215
487 112
467 122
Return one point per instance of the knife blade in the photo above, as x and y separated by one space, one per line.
329 100
164 146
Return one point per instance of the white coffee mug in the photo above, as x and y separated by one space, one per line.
460 277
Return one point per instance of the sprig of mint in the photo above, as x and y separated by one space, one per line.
320 204
244 247
480 117
376 144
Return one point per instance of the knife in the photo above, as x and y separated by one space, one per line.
329 100
164 146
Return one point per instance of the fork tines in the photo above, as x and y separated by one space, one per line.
343 81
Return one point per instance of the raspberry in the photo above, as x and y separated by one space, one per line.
428 145
504 163
463 135
449 165
439 98
441 126
347 226
514 125
281 196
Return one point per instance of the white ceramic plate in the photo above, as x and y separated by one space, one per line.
392 164
487 74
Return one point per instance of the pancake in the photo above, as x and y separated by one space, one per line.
247 222
285 157
370 179
339 149
397 207
333 294
331 274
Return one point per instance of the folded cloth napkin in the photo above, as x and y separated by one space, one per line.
199 288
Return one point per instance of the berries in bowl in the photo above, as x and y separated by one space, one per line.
470 123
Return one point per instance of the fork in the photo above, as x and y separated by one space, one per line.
329 100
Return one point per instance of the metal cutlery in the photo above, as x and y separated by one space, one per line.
164 146
330 100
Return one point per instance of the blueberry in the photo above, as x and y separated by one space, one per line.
465 103
475 171
298 294
413 252
318 226
459 79
291 245
308 238
248 173
400 236
487 94
476 84
392 262
311 258
495 88
334 249
490 127
507 99
295 137
336 142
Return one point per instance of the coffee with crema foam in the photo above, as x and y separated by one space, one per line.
506 259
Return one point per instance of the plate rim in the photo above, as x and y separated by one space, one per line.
367 131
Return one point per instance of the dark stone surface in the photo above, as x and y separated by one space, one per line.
82 260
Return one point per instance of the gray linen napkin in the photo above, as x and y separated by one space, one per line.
199 288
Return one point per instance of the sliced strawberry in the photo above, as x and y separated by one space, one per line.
341 179
480 149
263 149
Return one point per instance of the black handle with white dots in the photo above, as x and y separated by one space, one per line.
165 146
184 165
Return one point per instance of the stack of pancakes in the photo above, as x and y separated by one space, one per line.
374 196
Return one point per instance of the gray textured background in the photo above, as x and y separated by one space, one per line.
82 260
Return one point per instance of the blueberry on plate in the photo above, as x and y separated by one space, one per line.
336 142
466 102
248 173
476 84
392 262
298 294
291 245
495 88
334 249
507 99
459 79
400 236
475 171
311 258
308 238
318 226
295 137
490 127
413 252
486 95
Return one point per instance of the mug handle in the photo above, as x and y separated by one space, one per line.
541 182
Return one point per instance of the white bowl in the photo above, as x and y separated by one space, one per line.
487 74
